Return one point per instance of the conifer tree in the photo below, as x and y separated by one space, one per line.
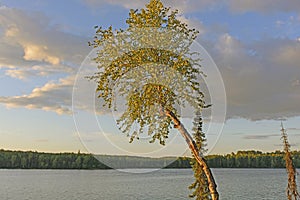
200 185
291 190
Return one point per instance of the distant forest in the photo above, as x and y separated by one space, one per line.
36 160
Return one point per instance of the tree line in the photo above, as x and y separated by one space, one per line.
252 159
37 160
40 160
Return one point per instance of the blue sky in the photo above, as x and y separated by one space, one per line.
255 44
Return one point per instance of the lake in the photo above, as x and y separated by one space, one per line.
167 184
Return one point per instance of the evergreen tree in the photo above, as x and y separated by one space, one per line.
200 185
291 190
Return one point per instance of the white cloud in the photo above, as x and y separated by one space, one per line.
38 70
19 74
229 46
53 96
30 39
258 77
39 53
12 31
288 54
57 96
261 78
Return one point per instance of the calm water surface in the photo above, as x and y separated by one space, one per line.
233 184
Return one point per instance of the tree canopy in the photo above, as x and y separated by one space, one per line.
151 66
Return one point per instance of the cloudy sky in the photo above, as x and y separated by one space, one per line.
254 43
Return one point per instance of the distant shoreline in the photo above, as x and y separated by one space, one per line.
81 161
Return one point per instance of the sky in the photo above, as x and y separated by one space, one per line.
255 45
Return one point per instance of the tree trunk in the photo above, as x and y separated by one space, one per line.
192 145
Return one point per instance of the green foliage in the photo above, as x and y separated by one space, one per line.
151 66
200 185
198 134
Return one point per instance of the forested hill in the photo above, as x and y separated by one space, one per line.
36 160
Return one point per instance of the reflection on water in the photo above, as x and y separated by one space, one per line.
233 184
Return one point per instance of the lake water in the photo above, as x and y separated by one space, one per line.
167 184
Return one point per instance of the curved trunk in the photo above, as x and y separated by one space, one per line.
202 162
